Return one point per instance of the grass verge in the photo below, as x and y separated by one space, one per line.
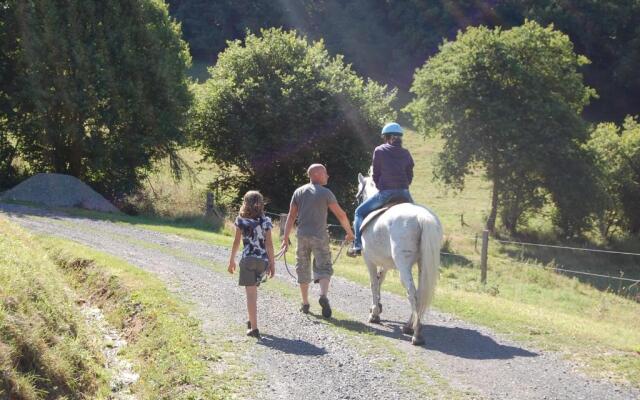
167 347
46 348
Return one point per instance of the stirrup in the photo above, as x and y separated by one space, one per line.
354 252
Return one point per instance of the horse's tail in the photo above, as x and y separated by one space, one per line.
430 241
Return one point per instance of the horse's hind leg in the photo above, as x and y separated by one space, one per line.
413 326
376 307
407 328
382 273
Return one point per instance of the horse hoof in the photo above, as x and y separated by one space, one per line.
407 330
374 319
417 341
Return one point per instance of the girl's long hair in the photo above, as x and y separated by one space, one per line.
252 205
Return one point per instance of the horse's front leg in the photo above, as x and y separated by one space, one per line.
376 307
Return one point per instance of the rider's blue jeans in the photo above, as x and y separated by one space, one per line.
376 201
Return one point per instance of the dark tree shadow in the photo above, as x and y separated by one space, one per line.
449 259
455 341
291 346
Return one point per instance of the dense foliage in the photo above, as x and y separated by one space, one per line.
276 103
387 40
510 101
93 89
617 155
208 25
7 86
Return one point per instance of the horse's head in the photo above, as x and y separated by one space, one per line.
366 188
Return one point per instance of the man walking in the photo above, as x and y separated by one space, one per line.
309 204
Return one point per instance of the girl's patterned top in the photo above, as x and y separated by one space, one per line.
253 239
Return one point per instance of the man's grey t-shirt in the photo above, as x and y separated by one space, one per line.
312 201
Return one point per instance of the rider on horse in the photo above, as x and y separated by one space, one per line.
392 174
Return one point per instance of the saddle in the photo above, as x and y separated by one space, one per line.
394 201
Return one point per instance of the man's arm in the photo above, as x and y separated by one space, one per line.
344 221
291 219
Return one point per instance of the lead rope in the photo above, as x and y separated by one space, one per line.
283 255
339 252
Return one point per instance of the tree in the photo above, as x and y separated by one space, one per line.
510 102
276 103
608 33
99 88
383 39
388 40
617 155
8 49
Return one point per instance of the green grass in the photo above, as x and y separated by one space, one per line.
196 229
46 348
164 195
166 345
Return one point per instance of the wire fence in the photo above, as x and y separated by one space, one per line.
277 214
566 247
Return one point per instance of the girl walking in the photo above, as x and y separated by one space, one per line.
254 229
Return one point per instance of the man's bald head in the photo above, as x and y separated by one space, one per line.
317 174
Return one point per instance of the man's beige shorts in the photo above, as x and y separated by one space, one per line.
319 247
251 270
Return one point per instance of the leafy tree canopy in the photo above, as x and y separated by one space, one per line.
509 101
388 40
617 156
276 103
98 89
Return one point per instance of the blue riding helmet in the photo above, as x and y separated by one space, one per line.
392 128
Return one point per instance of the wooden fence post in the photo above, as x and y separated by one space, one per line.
483 256
283 223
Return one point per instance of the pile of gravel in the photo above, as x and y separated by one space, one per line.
58 190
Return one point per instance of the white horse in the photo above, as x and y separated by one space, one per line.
403 235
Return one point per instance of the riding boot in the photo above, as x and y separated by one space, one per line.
354 252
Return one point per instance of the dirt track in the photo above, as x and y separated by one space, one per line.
303 356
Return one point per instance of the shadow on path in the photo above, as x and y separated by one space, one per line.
291 346
454 341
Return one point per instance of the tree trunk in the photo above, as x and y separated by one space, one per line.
491 221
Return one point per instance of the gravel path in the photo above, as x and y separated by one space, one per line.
305 357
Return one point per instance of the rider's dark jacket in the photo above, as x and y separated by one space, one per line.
392 167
